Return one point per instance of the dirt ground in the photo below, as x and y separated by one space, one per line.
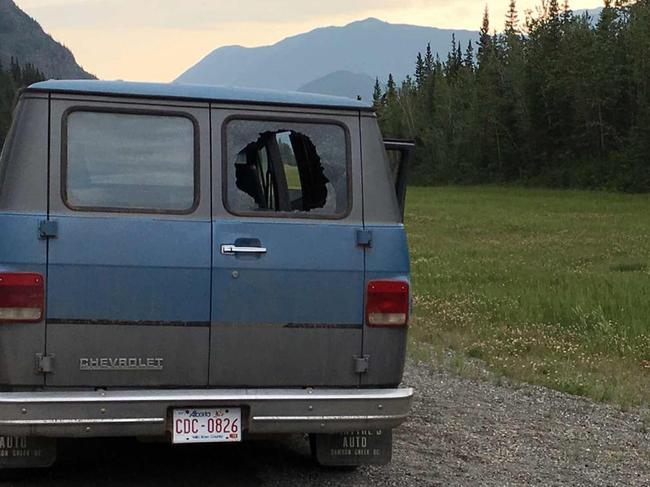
462 432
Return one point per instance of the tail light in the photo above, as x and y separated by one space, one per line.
387 303
22 297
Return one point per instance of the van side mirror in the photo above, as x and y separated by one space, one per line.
399 153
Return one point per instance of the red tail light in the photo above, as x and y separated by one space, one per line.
22 297
387 303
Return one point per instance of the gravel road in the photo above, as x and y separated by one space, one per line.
463 432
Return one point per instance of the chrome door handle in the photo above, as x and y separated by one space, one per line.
234 250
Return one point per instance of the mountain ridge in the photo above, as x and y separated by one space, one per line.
365 47
22 38
342 83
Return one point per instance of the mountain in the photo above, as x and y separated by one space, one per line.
593 13
369 47
23 38
342 83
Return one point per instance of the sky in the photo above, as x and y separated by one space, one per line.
157 40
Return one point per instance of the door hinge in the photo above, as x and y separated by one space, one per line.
361 364
48 229
364 238
44 363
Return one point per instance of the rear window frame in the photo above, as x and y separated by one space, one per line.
130 111
286 215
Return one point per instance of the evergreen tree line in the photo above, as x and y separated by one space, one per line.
563 101
12 79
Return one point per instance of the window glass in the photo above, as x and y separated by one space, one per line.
130 162
394 162
286 167
4 160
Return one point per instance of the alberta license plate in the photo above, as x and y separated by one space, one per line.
213 425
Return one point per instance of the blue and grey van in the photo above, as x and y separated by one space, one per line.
202 265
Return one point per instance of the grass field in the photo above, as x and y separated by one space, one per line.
548 287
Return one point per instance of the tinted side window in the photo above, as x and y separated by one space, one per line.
7 146
275 167
4 160
129 161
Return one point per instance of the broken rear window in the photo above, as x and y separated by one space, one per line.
286 167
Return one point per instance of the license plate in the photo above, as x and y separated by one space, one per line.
26 452
213 425
367 447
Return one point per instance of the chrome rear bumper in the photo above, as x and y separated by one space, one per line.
148 412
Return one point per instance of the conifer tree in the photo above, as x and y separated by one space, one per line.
377 95
428 61
468 61
419 71
512 20
391 89
484 39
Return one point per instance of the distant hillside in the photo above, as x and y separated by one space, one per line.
342 83
23 38
593 13
369 47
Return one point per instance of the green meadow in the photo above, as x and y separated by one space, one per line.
548 287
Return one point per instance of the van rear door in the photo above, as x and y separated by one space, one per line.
23 206
128 300
288 270
388 258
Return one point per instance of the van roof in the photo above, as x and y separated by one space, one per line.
198 92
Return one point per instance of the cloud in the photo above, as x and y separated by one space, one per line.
199 14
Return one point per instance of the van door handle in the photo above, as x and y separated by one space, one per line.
229 249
